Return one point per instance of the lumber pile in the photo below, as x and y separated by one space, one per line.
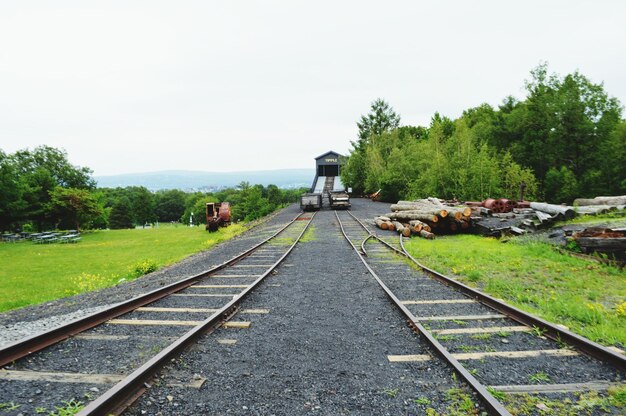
425 217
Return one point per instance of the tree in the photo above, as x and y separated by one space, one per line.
274 196
73 206
380 119
40 171
142 204
564 121
12 203
120 217
561 185
170 205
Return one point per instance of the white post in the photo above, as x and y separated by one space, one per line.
191 220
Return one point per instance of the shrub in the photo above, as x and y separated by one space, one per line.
143 267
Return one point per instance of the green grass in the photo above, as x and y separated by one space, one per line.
33 273
583 403
617 217
309 235
588 297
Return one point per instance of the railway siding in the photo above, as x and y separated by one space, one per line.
496 351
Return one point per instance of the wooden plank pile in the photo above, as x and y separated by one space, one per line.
425 217
603 240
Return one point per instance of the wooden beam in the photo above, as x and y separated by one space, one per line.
152 322
57 377
558 388
481 355
219 286
489 330
237 324
206 295
436 302
218 276
463 317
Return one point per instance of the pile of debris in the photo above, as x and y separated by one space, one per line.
506 216
603 240
424 217
491 217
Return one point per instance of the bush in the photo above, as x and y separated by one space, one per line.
144 267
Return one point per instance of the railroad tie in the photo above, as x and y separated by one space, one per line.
599 385
480 355
488 330
436 302
463 317
228 324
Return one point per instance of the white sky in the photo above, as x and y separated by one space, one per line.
133 86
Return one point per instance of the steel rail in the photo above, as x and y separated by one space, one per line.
26 346
494 406
120 396
552 331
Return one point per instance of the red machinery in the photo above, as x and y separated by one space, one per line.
217 215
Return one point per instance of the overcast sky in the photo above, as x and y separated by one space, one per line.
133 86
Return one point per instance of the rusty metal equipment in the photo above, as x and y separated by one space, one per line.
217 215
499 205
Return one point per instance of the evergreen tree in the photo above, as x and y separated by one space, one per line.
120 216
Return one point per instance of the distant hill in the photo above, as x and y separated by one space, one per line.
208 181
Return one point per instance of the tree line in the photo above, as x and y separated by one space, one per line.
41 190
566 139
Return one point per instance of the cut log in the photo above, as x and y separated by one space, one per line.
565 211
412 215
416 226
383 225
398 225
595 209
427 209
602 200
391 227
384 218
427 235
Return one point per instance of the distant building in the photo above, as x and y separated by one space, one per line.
327 171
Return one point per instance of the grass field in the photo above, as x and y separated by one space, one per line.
588 297
34 273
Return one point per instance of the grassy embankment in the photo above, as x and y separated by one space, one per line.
587 297
34 273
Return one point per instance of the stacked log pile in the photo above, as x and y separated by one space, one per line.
425 217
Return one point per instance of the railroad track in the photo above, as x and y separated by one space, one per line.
120 349
496 348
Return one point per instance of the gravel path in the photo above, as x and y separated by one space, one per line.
28 321
322 349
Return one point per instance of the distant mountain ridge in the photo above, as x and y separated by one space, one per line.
208 181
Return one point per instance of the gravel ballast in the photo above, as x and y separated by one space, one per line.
322 348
